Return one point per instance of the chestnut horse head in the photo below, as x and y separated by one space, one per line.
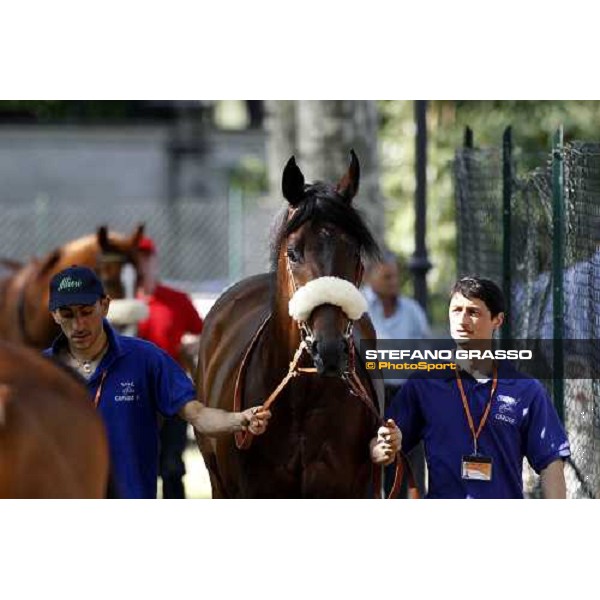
24 315
318 253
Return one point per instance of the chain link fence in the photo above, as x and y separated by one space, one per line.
478 174
203 245
485 232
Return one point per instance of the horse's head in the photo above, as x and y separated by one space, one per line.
118 268
319 254
117 261
24 296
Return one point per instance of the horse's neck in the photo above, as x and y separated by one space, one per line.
84 253
85 248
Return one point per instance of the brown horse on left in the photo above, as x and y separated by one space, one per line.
24 315
52 442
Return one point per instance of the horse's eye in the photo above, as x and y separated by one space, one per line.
294 255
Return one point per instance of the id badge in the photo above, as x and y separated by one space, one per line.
477 467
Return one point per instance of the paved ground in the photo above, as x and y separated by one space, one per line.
196 480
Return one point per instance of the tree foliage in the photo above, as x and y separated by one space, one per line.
533 124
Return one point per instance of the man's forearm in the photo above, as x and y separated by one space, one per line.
553 480
211 421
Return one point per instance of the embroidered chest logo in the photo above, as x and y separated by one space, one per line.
126 392
506 409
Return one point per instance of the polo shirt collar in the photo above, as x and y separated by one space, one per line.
115 348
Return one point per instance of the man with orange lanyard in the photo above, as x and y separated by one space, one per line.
171 317
479 421
130 381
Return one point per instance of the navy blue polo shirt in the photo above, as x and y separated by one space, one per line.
522 423
141 381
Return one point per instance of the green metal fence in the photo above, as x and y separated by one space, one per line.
538 233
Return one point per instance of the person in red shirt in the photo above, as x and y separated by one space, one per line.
172 320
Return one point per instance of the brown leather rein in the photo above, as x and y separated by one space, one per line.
243 439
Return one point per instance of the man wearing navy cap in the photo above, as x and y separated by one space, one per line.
484 417
130 381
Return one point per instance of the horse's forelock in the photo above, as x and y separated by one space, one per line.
323 205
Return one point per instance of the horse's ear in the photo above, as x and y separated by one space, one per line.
138 234
348 185
49 263
292 182
102 235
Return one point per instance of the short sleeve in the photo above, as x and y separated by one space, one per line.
171 386
545 437
405 410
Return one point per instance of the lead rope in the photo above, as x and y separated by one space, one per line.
243 439
401 462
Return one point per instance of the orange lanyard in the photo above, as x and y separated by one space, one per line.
99 390
486 412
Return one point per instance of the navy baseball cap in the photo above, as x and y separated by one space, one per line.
75 285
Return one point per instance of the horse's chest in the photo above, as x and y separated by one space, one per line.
317 442
318 427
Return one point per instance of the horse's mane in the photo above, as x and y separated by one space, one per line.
323 205
113 239
79 244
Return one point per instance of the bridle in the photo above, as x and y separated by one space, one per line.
113 257
243 439
306 333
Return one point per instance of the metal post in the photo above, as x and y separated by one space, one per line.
419 263
507 181
462 167
558 254
468 139
185 140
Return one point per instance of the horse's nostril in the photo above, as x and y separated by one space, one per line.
330 357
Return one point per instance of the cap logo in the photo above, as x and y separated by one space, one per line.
67 284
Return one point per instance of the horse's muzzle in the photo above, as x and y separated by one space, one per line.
330 356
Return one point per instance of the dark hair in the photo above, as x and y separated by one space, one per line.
481 289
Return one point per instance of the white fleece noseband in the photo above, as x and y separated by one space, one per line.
127 311
327 290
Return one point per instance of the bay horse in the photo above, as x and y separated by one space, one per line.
24 316
52 442
289 335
